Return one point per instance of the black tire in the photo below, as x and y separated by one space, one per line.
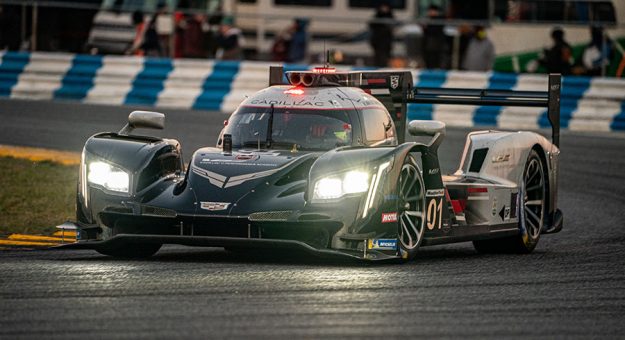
531 205
410 216
131 250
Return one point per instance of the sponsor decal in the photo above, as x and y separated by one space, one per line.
501 158
295 103
214 206
494 211
389 217
435 193
237 162
394 82
382 244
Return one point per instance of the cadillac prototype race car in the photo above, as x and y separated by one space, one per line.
320 163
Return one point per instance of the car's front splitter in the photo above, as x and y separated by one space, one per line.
214 241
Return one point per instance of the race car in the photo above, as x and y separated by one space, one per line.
319 162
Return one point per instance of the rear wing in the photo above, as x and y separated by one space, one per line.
549 99
395 90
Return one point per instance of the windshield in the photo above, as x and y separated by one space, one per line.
290 128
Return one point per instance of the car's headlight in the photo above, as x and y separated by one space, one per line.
108 176
332 187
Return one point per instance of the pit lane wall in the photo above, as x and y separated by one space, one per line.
588 104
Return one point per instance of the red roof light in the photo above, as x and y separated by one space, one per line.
295 91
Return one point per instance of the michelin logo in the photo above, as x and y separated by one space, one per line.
382 244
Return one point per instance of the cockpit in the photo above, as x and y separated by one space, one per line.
289 128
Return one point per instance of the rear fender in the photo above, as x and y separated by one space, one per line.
500 157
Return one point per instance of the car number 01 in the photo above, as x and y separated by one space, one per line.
435 207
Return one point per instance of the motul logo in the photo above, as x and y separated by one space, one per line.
389 217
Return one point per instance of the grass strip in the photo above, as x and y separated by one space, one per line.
35 196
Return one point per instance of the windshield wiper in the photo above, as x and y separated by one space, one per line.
270 128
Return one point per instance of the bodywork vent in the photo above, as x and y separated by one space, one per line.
158 212
477 160
270 216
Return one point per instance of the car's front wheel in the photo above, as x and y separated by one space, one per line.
131 250
411 194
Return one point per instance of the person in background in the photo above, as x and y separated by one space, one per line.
282 43
480 53
598 53
559 58
151 45
298 45
230 40
413 35
180 27
193 38
163 27
381 35
434 40
139 23
211 28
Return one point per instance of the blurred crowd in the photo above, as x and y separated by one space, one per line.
215 36
430 42
595 57
195 36
428 45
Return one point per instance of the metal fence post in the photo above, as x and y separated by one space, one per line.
23 28
455 54
33 34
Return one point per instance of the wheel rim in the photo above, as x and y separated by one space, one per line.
411 206
533 198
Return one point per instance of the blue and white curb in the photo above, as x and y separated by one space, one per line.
588 104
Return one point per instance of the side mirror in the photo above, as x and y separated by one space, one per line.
143 119
426 127
433 128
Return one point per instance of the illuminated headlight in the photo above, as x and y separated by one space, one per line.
333 187
108 176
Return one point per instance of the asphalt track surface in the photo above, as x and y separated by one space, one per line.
571 286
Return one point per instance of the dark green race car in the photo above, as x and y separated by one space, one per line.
321 165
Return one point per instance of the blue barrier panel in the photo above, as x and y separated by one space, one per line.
11 66
487 115
217 85
427 78
149 82
618 124
573 89
79 79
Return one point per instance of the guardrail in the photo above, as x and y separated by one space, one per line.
588 104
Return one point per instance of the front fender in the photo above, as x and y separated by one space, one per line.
147 160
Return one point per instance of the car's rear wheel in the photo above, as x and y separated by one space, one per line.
410 189
532 208
131 250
